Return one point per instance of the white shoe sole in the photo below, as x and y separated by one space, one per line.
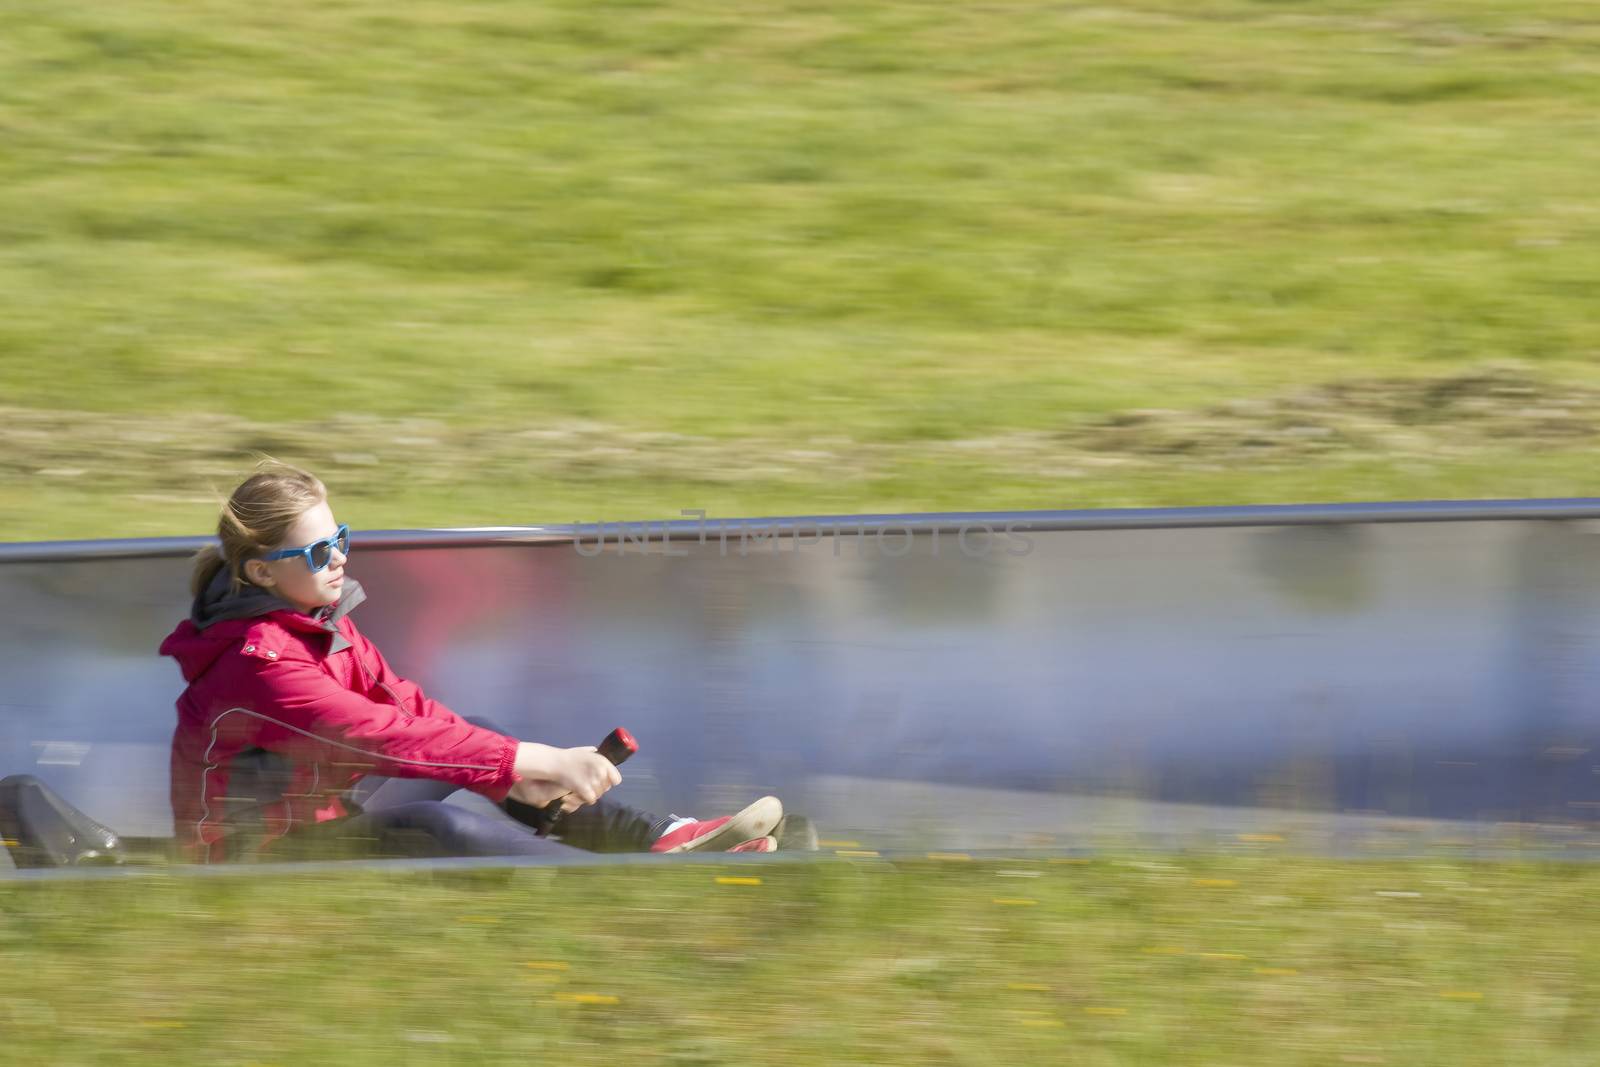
754 820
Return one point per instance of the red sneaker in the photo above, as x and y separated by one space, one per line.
757 844
691 835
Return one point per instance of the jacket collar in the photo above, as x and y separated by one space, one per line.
351 595
219 601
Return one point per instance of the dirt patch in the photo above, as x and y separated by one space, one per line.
1388 416
185 458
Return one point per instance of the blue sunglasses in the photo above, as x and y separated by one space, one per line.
318 554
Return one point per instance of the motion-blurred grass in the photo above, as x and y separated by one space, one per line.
479 261
776 257
1205 960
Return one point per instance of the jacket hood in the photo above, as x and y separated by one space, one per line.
219 601
221 614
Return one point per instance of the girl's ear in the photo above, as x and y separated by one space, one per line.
257 572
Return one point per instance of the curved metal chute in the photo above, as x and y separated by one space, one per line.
1321 676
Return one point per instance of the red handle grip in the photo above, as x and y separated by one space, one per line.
618 746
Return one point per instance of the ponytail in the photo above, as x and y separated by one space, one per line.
255 519
207 562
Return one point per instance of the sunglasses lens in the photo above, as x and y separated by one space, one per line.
321 553
344 542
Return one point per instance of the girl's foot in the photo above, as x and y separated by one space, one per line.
694 835
757 844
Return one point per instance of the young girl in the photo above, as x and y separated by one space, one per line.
295 737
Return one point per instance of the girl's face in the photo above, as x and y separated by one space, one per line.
291 578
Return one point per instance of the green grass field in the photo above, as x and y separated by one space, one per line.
478 261
1136 960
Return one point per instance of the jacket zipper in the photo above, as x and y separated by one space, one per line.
372 680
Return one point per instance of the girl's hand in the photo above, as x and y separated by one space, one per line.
586 773
581 771
539 792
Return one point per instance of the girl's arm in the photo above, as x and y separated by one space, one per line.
581 771
305 713
551 772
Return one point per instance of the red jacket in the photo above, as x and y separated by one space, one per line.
285 711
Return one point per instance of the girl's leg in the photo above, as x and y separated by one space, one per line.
433 828
374 793
604 826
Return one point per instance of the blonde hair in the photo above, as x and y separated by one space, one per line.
255 519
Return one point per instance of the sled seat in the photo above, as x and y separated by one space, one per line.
40 829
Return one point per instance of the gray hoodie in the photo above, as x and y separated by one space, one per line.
218 601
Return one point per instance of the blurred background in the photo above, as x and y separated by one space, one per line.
486 262
482 262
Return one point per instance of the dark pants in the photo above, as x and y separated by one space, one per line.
408 817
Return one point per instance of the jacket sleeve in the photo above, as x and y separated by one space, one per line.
308 715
